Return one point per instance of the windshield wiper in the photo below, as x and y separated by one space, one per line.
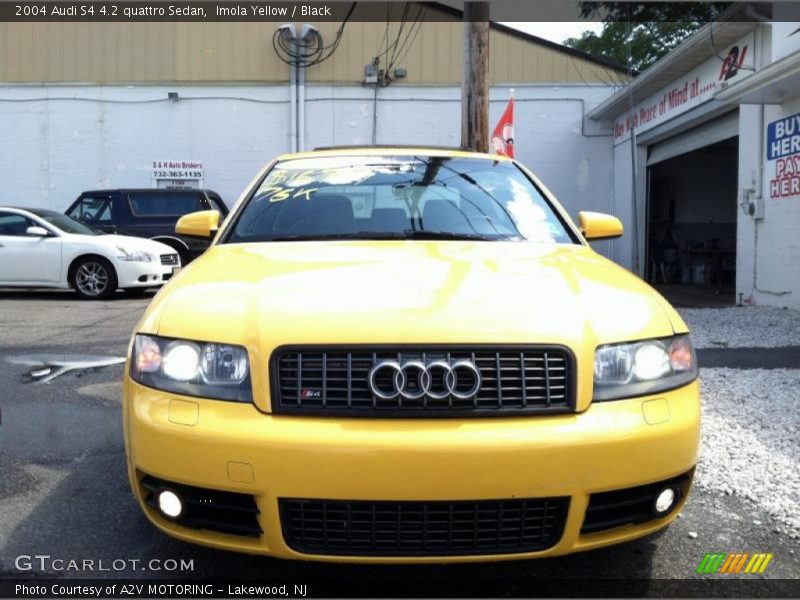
423 234
356 235
408 234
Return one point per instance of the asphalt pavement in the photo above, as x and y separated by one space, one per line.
64 491
783 357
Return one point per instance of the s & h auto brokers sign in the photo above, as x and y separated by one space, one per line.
696 87
783 147
177 173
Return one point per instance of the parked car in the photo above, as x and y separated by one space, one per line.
408 354
147 213
44 248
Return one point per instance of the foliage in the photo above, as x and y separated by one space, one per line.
653 29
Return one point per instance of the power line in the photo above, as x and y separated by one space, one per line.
410 38
312 51
403 21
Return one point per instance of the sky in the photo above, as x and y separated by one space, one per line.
557 32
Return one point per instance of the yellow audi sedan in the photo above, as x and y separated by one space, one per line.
407 355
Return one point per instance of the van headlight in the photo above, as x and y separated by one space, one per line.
644 367
207 370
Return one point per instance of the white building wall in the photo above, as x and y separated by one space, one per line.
622 249
768 249
56 141
571 158
749 171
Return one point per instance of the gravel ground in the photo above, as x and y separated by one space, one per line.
743 326
750 449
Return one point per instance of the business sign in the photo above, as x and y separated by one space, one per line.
177 173
783 147
698 86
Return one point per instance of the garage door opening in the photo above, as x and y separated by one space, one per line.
691 225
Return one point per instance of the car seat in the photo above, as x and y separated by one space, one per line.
441 215
388 220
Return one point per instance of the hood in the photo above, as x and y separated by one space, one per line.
419 292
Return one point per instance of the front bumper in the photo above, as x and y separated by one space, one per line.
234 447
141 274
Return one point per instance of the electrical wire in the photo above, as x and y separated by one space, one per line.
410 38
385 39
142 101
403 21
437 100
309 52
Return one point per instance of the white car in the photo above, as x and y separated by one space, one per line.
44 248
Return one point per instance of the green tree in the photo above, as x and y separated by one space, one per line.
653 29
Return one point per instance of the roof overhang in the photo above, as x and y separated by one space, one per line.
455 9
694 51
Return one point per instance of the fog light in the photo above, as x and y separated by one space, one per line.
170 504
665 501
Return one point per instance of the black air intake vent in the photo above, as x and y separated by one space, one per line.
435 528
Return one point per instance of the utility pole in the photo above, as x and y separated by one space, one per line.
475 77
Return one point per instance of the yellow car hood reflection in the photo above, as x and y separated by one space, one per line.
353 292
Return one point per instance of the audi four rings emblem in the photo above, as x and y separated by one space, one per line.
414 379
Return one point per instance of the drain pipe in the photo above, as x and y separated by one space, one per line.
307 34
288 33
301 101
293 106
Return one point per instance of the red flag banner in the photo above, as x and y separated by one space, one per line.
503 136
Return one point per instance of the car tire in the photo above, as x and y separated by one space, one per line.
185 257
93 278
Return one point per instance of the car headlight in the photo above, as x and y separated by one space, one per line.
207 370
128 255
644 367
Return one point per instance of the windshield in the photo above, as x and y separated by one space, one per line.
64 223
403 197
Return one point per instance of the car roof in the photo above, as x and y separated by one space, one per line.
22 209
150 190
31 210
392 151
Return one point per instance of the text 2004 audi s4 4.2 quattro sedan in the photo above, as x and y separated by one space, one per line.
408 355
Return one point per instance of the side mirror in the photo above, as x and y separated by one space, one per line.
599 226
202 225
37 231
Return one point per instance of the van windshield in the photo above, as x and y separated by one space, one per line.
401 197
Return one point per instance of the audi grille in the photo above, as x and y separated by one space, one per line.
437 381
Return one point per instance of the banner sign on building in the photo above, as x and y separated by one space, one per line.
696 87
783 147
